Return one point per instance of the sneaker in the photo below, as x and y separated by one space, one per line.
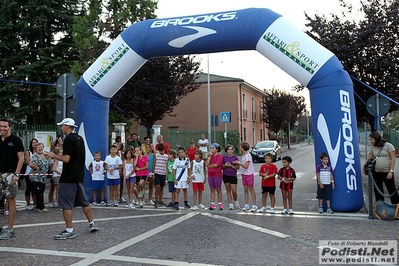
30 207
290 211
212 206
92 204
7 213
116 204
93 227
156 204
329 211
110 203
231 206
102 203
122 200
254 208
220 206
194 208
284 211
141 193
170 205
150 202
65 235
262 210
51 205
140 204
55 205
42 210
186 205
237 204
320 210
272 211
131 206
162 204
176 206
246 207
7 233
201 206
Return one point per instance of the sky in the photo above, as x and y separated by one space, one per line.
261 72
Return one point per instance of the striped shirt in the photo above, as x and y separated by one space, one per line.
160 163
325 174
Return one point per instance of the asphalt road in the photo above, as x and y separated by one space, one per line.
162 236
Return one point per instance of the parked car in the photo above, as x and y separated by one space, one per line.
259 151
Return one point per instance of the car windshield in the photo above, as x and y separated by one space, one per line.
261 145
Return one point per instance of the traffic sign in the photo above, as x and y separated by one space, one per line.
66 83
214 120
225 117
383 105
70 109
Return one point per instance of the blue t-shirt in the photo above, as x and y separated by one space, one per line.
150 162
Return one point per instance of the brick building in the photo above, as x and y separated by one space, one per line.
227 95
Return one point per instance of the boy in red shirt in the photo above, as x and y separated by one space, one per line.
268 173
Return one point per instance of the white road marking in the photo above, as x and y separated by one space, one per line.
246 225
106 253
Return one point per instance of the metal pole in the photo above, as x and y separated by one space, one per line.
225 134
209 105
370 183
64 97
307 125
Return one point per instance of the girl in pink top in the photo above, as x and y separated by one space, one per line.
141 166
214 164
247 176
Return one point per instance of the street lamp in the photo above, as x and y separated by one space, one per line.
307 125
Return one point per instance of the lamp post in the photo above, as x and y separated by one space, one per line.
307 125
209 103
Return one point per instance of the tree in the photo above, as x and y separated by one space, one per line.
367 48
35 45
157 88
282 109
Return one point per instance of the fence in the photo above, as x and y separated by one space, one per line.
27 132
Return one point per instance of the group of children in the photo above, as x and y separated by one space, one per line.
136 167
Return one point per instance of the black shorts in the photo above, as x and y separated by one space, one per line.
160 180
71 195
139 178
270 190
325 192
230 179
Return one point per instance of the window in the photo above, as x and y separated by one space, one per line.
253 110
245 134
260 111
244 106
253 136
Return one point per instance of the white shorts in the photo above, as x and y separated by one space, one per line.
181 184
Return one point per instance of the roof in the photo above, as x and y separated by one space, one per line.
203 78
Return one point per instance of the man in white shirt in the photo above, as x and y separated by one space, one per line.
203 146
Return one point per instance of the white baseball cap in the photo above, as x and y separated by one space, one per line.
68 122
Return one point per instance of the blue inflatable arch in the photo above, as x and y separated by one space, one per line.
331 90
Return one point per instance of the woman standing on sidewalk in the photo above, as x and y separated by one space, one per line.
29 185
39 164
383 171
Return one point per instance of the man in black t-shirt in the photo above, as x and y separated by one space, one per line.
11 161
71 191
